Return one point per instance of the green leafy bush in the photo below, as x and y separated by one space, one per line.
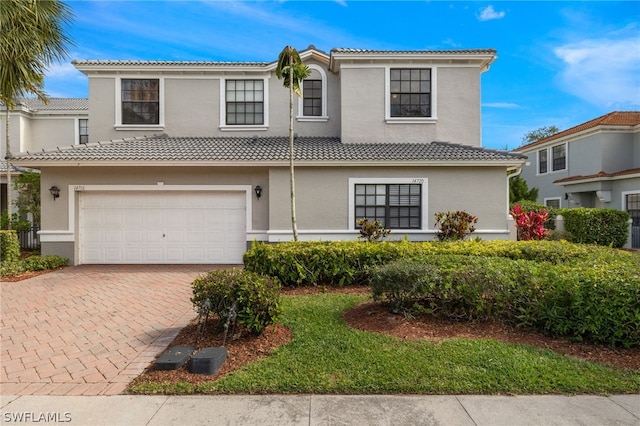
606 227
254 298
9 246
32 263
454 226
372 231
596 300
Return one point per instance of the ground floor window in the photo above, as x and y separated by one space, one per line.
632 202
553 203
395 206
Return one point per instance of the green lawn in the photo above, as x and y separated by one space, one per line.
326 356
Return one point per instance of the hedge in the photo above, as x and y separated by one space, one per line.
607 227
346 262
599 303
9 246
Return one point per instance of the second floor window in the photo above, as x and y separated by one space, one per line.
83 130
244 102
542 161
312 98
140 101
559 156
410 92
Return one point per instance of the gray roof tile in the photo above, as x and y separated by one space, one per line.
55 104
258 149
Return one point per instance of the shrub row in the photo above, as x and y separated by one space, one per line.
33 263
9 246
346 262
600 303
606 227
252 299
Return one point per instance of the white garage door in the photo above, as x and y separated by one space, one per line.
162 227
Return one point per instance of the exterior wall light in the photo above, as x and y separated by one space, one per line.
55 191
258 190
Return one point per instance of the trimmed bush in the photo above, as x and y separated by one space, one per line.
32 263
254 299
343 263
597 300
9 246
605 227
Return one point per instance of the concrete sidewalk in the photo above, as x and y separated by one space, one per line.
473 410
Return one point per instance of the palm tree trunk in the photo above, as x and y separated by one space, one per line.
294 224
8 158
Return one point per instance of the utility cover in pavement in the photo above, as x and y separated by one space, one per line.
207 360
174 358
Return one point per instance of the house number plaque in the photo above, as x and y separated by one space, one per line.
78 188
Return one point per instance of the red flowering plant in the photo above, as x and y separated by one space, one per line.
530 224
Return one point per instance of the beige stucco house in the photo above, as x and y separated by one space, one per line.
187 162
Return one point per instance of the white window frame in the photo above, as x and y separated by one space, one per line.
549 151
387 96
324 116
223 105
424 219
118 125
559 199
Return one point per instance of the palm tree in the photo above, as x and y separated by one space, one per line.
31 38
293 71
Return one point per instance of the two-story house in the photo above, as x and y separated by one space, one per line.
35 125
593 164
187 162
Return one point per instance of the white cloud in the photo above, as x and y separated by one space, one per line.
604 72
503 105
488 13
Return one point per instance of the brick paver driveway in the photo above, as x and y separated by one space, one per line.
89 330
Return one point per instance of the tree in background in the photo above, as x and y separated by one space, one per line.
293 71
32 37
540 133
519 190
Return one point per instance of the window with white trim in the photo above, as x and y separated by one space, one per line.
244 102
553 203
410 92
552 159
312 98
395 206
140 101
83 130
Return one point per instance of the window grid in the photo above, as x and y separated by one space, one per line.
312 98
542 161
245 102
83 130
395 206
410 92
140 101
559 156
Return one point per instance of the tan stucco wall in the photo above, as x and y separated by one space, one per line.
192 107
55 213
322 194
457 108
52 133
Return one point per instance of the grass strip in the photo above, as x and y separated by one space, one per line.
328 357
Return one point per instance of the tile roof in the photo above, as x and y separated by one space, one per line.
600 175
14 168
135 62
413 52
616 118
54 104
260 149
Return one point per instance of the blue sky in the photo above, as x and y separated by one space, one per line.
559 62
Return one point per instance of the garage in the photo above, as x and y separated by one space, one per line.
162 227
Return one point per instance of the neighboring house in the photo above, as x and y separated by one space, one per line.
192 163
35 126
594 164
